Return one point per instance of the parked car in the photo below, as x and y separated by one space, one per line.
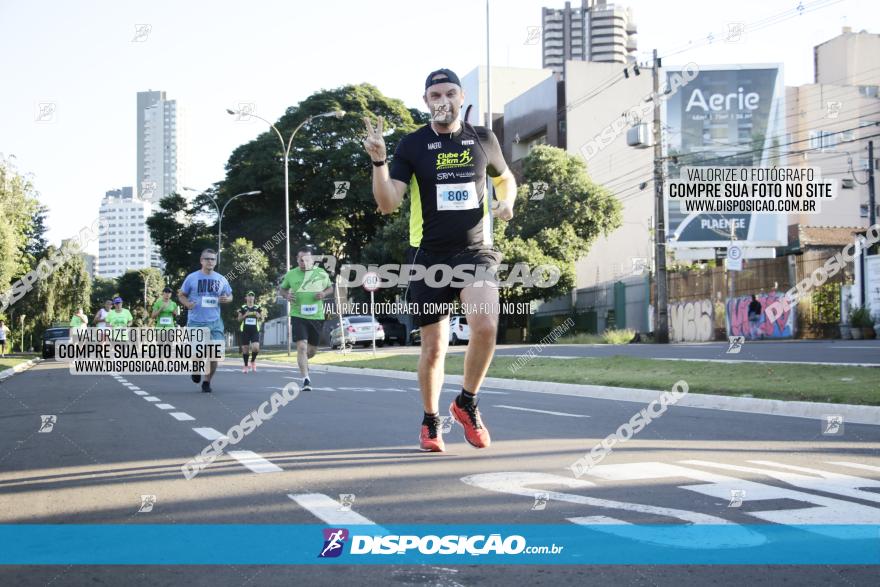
51 337
459 331
395 332
358 330
415 337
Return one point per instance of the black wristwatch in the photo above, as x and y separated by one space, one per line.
379 163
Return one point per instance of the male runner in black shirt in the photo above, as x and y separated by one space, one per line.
444 164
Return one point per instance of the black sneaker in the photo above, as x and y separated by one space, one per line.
307 384
196 377
206 386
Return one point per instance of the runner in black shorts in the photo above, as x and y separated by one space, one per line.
306 286
251 316
445 164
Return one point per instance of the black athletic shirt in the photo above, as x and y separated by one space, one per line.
448 171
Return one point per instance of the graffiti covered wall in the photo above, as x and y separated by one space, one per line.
691 321
738 318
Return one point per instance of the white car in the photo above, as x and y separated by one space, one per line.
459 331
358 330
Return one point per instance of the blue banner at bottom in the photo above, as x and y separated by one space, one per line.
271 544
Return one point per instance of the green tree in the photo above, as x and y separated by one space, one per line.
103 289
57 294
180 235
247 268
21 228
558 229
131 289
327 150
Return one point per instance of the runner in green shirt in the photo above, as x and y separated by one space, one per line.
119 317
306 286
165 310
79 319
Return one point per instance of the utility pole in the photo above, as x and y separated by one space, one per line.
872 207
661 324
872 218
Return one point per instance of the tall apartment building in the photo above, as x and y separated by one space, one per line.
157 146
594 32
126 242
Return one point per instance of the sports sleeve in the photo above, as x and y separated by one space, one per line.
325 281
496 164
285 281
225 288
401 167
186 288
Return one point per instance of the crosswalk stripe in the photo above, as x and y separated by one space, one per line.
326 508
254 462
208 433
164 406
181 416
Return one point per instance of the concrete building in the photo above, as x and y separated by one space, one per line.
126 243
830 119
157 146
625 171
849 59
594 32
507 84
569 114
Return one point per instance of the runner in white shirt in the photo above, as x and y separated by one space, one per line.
101 315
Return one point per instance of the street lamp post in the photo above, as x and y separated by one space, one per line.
286 149
220 214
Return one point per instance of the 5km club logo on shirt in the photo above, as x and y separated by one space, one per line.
449 160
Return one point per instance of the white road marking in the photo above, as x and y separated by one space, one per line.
326 508
517 483
208 433
825 515
855 465
141 392
540 411
152 398
815 480
164 406
254 462
182 416
359 389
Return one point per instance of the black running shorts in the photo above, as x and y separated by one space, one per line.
250 335
304 329
430 302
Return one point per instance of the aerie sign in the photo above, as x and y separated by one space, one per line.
718 102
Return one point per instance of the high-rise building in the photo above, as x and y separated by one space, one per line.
157 146
125 244
594 32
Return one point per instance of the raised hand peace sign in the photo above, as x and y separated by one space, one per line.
375 142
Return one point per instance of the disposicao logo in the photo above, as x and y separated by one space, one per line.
334 541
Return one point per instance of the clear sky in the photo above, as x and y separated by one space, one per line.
209 56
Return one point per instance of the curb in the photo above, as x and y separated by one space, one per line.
854 414
7 373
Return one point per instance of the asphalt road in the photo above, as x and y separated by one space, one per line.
115 440
863 352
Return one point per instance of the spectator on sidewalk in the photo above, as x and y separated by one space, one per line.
755 311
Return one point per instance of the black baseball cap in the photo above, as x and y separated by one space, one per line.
167 290
448 77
